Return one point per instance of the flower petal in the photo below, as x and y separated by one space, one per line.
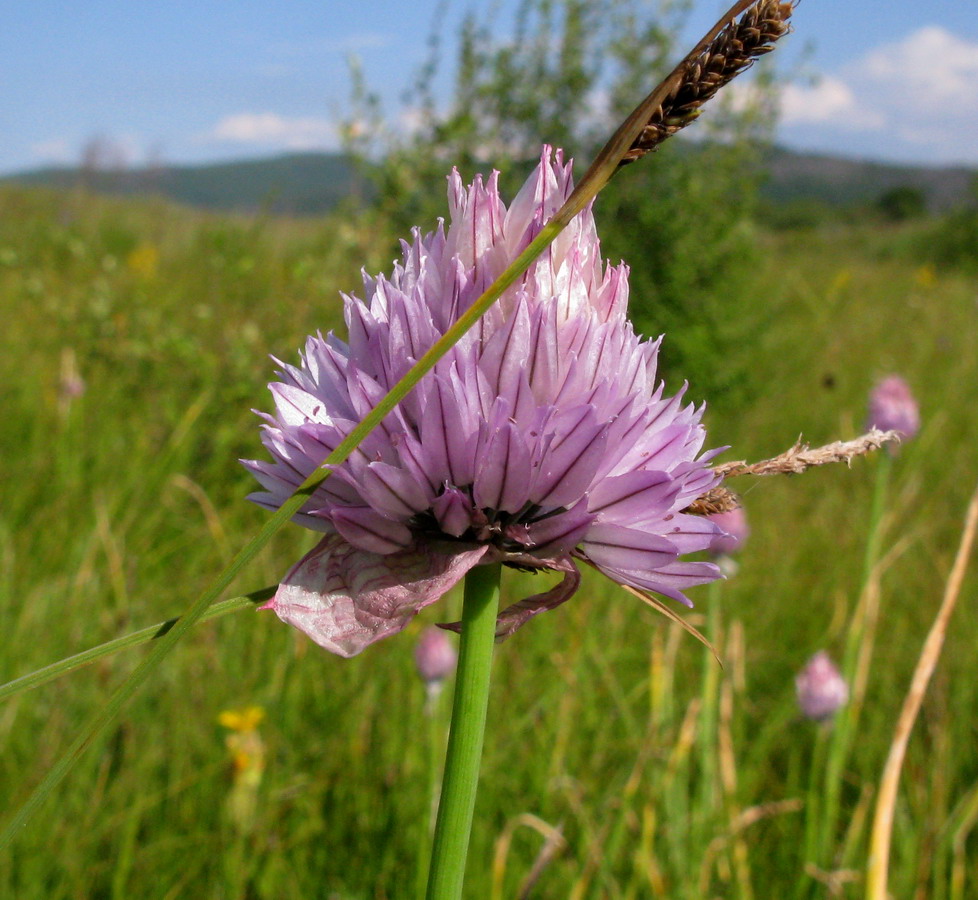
451 510
571 460
560 533
367 529
346 599
448 441
633 498
617 547
690 534
390 490
297 407
502 480
670 581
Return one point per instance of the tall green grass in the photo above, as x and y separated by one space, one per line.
596 715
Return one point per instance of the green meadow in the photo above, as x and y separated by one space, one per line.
621 761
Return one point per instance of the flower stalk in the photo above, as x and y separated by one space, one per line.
455 811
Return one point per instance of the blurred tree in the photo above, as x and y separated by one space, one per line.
103 162
954 239
899 204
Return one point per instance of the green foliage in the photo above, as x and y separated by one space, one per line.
899 204
684 224
594 706
953 241
799 215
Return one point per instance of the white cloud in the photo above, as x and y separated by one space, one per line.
272 130
828 100
930 66
921 93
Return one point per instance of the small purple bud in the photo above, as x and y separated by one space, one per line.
734 523
434 655
822 690
892 407
71 385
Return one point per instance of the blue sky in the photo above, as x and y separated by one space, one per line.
198 81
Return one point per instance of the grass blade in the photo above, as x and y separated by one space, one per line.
143 636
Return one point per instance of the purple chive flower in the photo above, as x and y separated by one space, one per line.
822 690
734 531
892 407
540 440
434 656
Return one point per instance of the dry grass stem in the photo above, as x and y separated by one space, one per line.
554 844
553 847
791 462
707 69
741 822
879 851
661 607
800 457
866 619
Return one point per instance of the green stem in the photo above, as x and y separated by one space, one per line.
435 752
803 886
454 824
143 636
861 629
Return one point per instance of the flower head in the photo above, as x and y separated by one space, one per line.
434 656
539 440
734 528
892 407
822 690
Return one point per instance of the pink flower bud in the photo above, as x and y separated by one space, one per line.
734 523
822 690
434 655
893 408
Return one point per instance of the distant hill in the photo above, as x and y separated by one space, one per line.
297 184
837 181
313 183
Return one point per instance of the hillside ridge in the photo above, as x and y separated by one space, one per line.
315 183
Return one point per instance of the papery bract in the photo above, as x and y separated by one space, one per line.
539 439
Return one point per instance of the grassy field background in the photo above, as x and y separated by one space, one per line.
119 502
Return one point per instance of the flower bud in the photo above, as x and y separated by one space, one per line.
434 655
734 524
892 407
822 690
